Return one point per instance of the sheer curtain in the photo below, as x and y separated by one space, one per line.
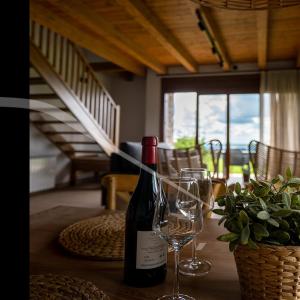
284 91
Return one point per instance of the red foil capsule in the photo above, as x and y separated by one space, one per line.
149 154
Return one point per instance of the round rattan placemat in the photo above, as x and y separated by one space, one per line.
103 238
99 238
61 287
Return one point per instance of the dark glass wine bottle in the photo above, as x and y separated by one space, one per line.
145 252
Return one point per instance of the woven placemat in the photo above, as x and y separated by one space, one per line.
98 238
103 237
61 287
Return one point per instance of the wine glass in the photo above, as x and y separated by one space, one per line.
195 266
177 219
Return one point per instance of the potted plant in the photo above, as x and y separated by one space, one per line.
263 221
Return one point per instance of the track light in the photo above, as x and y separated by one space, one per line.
201 26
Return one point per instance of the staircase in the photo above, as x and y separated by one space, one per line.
83 120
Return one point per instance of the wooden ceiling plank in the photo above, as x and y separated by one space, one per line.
211 27
42 14
262 17
107 30
164 36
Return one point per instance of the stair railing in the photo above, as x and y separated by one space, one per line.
72 67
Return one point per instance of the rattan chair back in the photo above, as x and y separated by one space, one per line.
269 161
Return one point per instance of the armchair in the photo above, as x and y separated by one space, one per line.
123 176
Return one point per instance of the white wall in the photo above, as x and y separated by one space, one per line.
42 148
152 103
130 95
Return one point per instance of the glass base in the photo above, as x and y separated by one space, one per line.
197 267
171 297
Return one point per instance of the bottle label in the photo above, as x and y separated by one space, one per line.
151 251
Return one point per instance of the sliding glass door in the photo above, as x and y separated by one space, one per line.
234 119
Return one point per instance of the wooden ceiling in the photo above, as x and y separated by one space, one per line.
157 34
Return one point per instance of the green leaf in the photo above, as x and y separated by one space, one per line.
221 201
219 211
233 244
233 226
254 183
222 220
243 217
262 203
281 236
295 200
282 213
228 237
228 205
273 222
245 235
284 224
263 215
286 200
260 230
280 177
237 188
294 180
252 244
274 242
288 173
275 180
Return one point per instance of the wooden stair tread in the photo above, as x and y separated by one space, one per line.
44 96
53 122
42 109
97 158
37 81
65 132
84 151
76 142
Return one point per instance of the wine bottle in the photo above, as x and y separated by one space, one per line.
145 252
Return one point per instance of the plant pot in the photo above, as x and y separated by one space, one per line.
270 272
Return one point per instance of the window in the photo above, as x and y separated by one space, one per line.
244 120
180 122
212 118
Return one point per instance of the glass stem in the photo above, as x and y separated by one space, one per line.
194 246
176 276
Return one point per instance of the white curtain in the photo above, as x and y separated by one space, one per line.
284 90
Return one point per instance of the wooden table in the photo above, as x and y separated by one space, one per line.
46 256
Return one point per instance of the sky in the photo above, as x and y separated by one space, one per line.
244 117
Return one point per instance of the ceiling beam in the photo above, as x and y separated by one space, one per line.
100 26
41 12
262 38
145 17
211 29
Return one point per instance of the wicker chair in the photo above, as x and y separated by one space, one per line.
172 160
269 161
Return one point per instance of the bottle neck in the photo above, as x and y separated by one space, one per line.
149 155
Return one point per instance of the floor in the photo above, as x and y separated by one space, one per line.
83 195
